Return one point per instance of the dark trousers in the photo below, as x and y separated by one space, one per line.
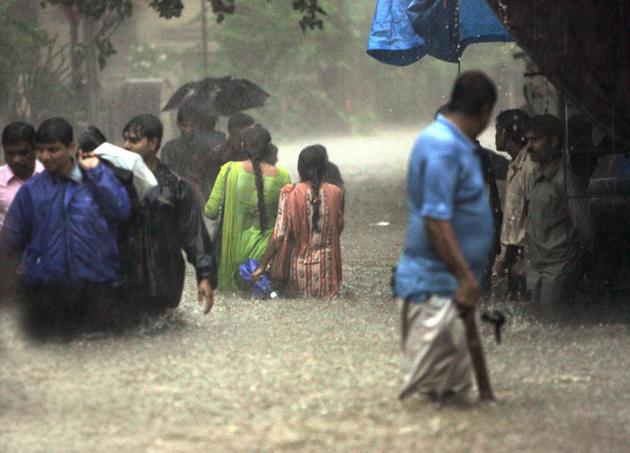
66 312
560 288
517 283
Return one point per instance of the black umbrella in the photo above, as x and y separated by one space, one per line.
221 96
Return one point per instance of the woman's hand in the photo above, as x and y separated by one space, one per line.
257 274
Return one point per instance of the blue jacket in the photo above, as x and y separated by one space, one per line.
66 228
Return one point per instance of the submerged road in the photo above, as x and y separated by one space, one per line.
310 375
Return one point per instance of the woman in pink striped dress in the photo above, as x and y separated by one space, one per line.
304 250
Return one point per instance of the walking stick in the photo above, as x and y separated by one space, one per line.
476 354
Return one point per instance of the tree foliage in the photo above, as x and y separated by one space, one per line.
307 75
38 71
311 11
34 69
109 14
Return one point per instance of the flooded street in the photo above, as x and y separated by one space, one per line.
310 375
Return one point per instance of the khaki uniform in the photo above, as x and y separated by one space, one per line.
559 230
514 213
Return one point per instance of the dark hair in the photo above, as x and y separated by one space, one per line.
146 125
91 139
256 144
54 130
202 118
206 121
312 167
18 132
513 122
238 121
186 112
546 125
472 93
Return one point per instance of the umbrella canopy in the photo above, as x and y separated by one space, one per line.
221 96
404 31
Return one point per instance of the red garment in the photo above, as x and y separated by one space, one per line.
314 257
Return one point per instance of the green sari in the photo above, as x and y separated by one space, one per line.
241 235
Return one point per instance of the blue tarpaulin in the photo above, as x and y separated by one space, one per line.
404 31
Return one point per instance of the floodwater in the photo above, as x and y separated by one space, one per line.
309 375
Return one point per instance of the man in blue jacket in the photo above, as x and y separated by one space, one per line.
63 227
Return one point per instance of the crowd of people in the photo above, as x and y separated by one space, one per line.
457 232
94 236
546 210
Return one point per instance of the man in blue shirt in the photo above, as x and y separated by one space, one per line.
448 239
62 226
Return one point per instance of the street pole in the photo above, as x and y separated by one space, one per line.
204 36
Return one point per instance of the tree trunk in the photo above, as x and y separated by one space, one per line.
93 87
204 36
75 61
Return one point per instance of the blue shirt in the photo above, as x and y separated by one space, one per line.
444 182
66 228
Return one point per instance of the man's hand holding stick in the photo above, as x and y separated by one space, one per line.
444 240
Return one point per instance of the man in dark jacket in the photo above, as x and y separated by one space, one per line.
184 154
230 150
172 222
62 228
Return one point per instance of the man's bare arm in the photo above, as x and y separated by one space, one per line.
444 241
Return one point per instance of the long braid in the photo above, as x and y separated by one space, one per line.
316 200
260 191
312 165
257 141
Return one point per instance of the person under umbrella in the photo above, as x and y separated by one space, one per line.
184 154
219 96
230 150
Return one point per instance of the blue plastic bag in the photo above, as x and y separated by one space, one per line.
262 289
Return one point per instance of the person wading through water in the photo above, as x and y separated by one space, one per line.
559 225
62 228
510 125
447 244
172 224
246 195
305 248
18 144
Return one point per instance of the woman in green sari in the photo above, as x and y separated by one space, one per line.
249 191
